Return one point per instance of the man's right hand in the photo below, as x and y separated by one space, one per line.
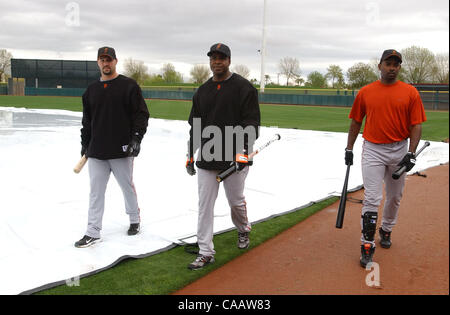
190 167
83 150
348 157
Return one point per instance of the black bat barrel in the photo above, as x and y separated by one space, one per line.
226 173
341 210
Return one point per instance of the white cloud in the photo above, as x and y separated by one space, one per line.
318 33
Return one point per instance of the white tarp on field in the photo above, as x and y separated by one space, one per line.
43 204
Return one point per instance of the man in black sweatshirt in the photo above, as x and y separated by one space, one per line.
224 120
115 119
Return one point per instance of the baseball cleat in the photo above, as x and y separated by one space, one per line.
200 262
367 251
86 241
243 240
134 229
385 238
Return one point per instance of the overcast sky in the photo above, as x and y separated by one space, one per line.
316 32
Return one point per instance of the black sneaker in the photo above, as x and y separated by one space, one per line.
243 240
200 262
86 241
385 238
367 251
134 229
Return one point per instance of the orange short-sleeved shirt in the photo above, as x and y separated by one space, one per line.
390 111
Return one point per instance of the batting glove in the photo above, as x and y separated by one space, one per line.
134 147
190 167
83 150
348 157
409 160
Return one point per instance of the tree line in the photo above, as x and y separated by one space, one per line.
137 70
420 65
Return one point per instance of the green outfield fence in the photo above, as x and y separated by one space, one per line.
433 100
186 94
301 99
54 92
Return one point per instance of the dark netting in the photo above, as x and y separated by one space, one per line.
93 76
74 65
49 82
55 73
30 81
74 74
23 68
74 83
92 66
49 64
49 73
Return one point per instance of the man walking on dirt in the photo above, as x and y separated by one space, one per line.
394 113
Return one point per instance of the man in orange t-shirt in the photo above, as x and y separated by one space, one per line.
394 112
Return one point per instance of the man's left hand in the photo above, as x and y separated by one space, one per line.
134 147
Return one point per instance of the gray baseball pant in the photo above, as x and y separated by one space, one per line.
208 188
379 161
99 172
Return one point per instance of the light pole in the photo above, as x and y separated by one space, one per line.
263 49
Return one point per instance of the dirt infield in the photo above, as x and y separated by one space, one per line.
314 257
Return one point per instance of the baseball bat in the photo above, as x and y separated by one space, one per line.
220 177
342 202
401 170
80 164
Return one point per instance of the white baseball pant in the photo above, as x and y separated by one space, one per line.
208 188
99 173
379 161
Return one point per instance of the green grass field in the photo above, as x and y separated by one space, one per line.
166 272
322 118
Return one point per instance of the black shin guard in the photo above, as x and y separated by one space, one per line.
369 225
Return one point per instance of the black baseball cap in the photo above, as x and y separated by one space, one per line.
106 51
221 48
389 53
